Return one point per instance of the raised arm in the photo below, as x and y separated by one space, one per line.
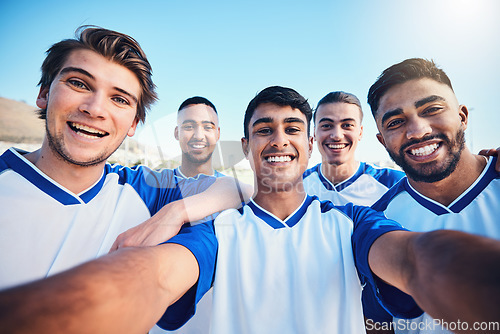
124 292
452 275
492 152
225 193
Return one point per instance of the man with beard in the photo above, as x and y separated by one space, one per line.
197 131
422 125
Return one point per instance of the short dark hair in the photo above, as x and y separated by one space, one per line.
280 96
117 47
197 100
339 97
409 69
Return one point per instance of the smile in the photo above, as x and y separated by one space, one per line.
423 151
336 146
198 146
281 158
86 131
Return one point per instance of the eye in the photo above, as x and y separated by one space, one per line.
325 126
208 127
432 110
393 123
347 125
120 100
264 131
187 127
77 84
292 130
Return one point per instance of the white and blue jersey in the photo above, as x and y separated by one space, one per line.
272 276
200 322
476 210
45 228
365 187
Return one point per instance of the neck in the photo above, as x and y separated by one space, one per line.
339 173
190 169
72 177
449 189
281 203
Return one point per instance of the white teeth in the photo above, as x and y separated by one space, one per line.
87 129
336 146
198 146
426 150
284 158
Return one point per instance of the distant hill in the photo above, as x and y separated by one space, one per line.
19 123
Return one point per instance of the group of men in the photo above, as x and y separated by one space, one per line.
305 254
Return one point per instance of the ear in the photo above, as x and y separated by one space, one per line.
42 99
176 133
360 132
244 146
381 139
463 112
311 145
218 134
133 127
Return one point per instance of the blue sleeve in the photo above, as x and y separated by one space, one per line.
158 188
368 226
200 240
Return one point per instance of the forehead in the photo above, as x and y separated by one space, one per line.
197 113
276 113
338 111
104 71
406 94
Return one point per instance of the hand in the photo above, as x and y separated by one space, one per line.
162 226
492 152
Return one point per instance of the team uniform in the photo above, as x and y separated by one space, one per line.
365 187
476 210
200 322
45 228
273 276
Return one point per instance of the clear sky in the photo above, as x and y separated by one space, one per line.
228 51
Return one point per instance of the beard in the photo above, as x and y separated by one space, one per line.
56 143
198 159
432 171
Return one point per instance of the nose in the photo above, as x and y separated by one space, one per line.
198 132
417 127
279 139
94 105
336 133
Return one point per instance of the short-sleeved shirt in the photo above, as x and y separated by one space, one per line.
364 187
293 276
45 228
476 210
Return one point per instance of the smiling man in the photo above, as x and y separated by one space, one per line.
198 132
422 126
284 263
339 177
63 204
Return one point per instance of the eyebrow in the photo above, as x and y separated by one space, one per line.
391 113
326 119
193 121
87 74
270 120
428 99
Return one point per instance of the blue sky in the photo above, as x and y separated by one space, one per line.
228 51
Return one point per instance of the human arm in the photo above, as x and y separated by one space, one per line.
123 292
451 275
492 152
224 193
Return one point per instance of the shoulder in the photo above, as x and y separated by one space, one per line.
384 175
384 201
311 171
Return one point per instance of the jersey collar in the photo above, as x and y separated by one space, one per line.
342 185
274 221
18 163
